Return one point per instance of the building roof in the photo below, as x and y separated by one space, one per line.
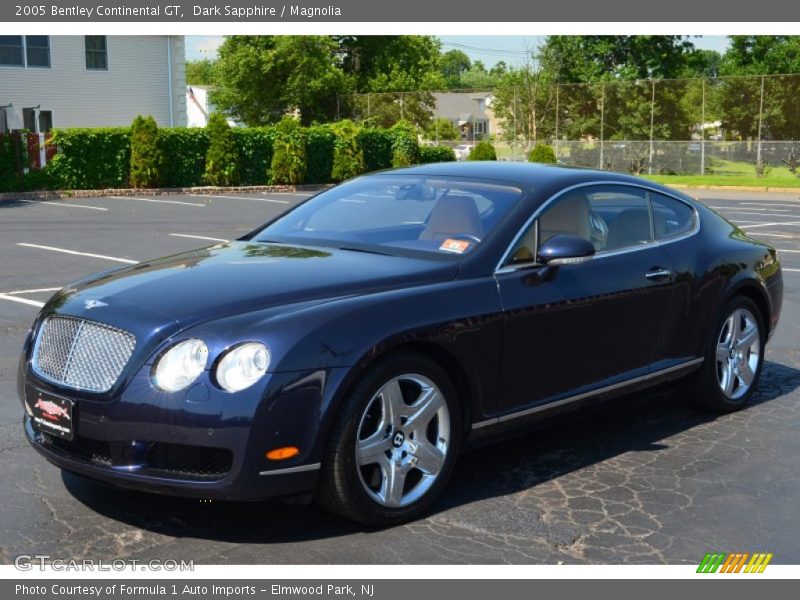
461 106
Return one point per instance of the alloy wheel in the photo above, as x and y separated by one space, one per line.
403 440
738 353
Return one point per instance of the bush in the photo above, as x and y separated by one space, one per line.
255 153
289 153
405 149
376 145
482 151
145 168
542 153
222 159
442 129
184 156
90 158
320 144
9 167
348 155
432 154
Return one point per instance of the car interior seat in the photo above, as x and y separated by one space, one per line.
453 216
630 228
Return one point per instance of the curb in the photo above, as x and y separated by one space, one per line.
204 190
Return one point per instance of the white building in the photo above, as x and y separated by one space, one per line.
198 107
90 81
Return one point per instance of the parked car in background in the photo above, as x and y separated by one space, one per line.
462 151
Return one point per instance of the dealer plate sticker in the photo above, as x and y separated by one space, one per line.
51 414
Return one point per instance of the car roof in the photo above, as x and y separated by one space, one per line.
532 175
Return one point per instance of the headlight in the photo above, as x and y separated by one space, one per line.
242 366
180 365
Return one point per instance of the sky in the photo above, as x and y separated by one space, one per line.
487 48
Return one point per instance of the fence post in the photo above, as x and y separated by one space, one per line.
369 107
652 118
514 144
703 131
436 117
602 119
556 132
760 119
402 108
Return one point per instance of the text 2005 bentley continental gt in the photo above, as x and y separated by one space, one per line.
354 345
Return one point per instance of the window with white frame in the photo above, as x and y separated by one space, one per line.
25 51
96 52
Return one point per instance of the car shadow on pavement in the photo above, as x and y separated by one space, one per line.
569 443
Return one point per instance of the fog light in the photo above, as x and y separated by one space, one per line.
283 453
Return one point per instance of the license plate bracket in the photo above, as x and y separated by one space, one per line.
50 413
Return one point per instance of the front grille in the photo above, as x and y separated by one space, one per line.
189 461
81 354
176 461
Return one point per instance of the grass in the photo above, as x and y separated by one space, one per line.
726 172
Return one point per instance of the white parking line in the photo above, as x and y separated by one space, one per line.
770 204
157 201
771 224
55 289
240 198
791 270
21 300
65 251
301 194
779 235
198 237
770 210
787 250
61 204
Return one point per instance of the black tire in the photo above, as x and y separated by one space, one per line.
340 489
702 388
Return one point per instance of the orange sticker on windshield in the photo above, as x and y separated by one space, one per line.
457 246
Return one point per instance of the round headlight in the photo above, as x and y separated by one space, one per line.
180 365
242 366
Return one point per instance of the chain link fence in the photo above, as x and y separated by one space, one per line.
726 125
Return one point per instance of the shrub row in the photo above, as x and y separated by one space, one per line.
144 155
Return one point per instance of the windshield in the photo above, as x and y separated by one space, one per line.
398 214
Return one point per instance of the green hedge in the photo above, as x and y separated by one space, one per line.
542 153
90 158
101 157
432 154
482 151
9 180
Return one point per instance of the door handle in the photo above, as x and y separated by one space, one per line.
658 273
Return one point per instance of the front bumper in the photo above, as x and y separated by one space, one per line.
202 444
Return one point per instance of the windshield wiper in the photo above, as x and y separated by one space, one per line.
365 250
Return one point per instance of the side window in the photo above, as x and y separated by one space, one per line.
671 217
619 217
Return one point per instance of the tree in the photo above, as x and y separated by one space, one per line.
442 129
740 98
222 158
200 72
146 157
259 79
453 64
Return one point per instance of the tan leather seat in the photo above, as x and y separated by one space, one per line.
569 216
452 216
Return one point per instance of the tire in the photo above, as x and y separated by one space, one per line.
381 468
708 388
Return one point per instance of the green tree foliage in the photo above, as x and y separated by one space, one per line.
542 153
453 64
483 151
259 79
289 164
200 72
740 99
442 129
222 159
433 154
146 157
405 149
348 156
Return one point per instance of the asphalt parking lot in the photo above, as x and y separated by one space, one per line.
638 480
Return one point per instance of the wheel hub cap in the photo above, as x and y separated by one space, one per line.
738 353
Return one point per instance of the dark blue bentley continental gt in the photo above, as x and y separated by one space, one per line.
354 345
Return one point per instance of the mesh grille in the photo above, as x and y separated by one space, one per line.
81 354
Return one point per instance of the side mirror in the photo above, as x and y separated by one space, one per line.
565 249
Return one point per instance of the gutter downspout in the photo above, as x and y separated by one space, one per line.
169 75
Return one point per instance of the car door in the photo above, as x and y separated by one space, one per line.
570 328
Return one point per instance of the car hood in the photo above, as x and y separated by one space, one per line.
238 277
